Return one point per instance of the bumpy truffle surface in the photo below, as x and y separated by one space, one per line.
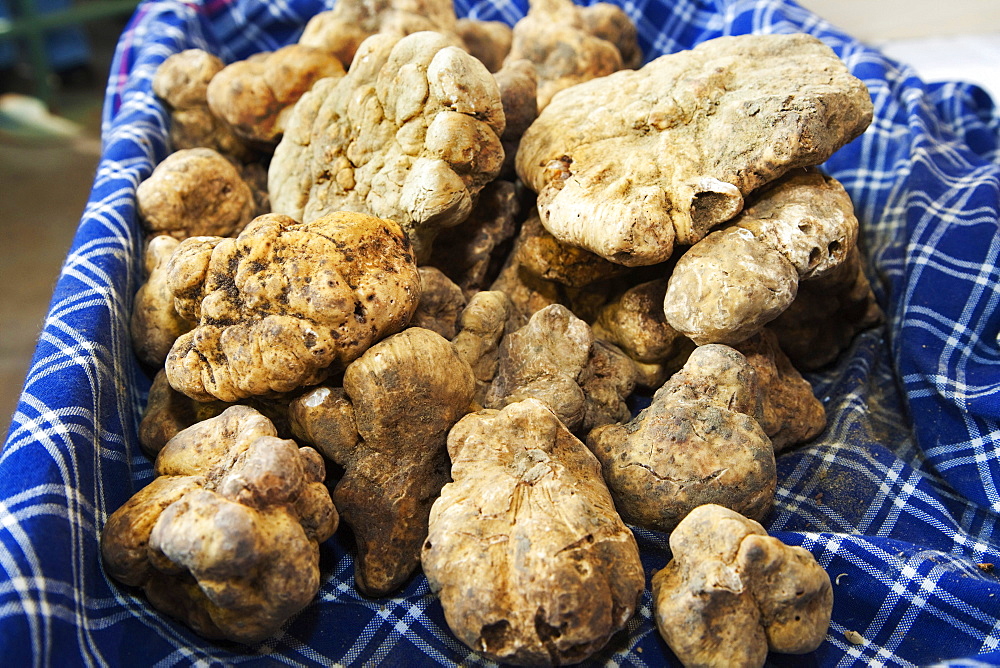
790 412
254 96
181 81
472 253
194 192
155 323
226 537
545 359
531 562
731 592
826 315
342 29
726 287
626 164
569 44
698 442
284 304
412 133
405 393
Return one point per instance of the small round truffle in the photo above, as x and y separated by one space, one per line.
195 192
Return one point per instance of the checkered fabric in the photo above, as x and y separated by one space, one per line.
897 499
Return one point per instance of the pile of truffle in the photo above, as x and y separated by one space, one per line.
446 271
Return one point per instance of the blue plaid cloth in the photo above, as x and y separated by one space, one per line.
897 499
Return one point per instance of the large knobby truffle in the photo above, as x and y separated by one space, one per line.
726 287
285 304
404 395
412 133
626 164
226 538
698 442
531 562
731 592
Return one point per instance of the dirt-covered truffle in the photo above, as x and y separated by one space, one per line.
155 323
606 381
518 82
728 286
412 133
827 314
255 96
169 412
481 327
226 537
627 164
552 260
731 592
441 303
698 442
472 253
790 412
286 303
634 321
570 44
531 562
405 393
194 192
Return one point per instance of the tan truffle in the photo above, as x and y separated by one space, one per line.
727 286
562 41
552 260
481 327
606 381
342 29
489 41
441 303
698 442
412 133
226 537
255 96
194 192
285 304
155 323
472 253
827 314
545 360
518 82
531 562
731 592
405 394
790 412
727 291
634 321
181 81
169 412
626 164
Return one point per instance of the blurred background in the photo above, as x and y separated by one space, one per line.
49 149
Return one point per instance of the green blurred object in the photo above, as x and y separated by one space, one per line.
30 25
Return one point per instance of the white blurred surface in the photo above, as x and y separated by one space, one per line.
971 57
